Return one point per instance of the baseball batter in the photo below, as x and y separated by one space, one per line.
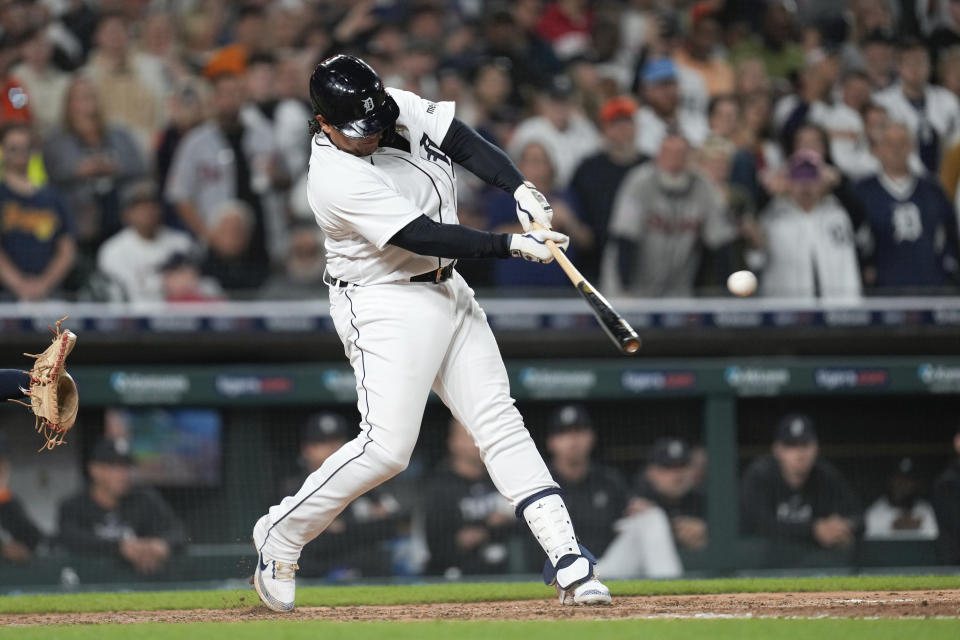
382 186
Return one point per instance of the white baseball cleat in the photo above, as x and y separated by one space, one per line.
274 580
589 593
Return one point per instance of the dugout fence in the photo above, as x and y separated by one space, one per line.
870 412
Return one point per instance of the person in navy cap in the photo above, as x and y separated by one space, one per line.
663 109
799 502
595 494
668 481
114 517
635 544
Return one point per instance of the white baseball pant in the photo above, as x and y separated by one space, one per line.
403 339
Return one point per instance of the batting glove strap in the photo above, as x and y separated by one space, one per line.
532 246
532 207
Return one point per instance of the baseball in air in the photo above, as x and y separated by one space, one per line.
742 283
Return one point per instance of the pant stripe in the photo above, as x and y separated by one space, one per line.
366 419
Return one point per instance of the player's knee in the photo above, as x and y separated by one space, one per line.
390 463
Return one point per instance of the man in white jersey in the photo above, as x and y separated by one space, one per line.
381 184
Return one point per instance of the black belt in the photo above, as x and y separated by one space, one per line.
436 276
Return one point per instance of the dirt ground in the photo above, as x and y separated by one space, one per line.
851 604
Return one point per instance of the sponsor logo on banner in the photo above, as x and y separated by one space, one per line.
340 383
139 388
847 318
939 377
738 319
557 383
639 381
850 378
234 386
946 316
757 380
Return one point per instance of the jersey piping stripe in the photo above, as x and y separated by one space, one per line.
366 419
435 189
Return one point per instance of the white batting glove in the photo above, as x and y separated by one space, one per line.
532 207
532 246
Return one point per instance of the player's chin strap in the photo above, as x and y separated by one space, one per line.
568 562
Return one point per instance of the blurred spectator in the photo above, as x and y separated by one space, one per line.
132 258
810 250
14 100
662 111
19 536
723 116
510 32
668 481
812 99
777 44
700 54
355 543
946 34
249 37
491 88
931 113
45 84
229 257
535 164
90 161
912 227
812 137
715 161
844 123
37 246
758 155
113 517
158 61
182 281
900 513
468 523
596 180
796 500
566 135
665 218
879 59
224 159
302 275
566 24
596 495
946 503
948 70
185 111
123 90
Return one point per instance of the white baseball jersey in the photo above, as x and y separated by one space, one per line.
809 250
360 203
941 111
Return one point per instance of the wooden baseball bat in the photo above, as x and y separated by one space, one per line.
615 326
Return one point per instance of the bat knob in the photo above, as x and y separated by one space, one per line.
632 346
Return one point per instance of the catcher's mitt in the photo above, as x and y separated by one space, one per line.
53 394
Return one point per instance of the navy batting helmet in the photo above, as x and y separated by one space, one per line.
350 96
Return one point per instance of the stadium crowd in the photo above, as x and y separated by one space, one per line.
156 150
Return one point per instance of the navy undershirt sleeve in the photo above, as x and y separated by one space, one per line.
11 381
425 237
481 158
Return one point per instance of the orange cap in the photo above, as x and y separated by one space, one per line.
618 107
